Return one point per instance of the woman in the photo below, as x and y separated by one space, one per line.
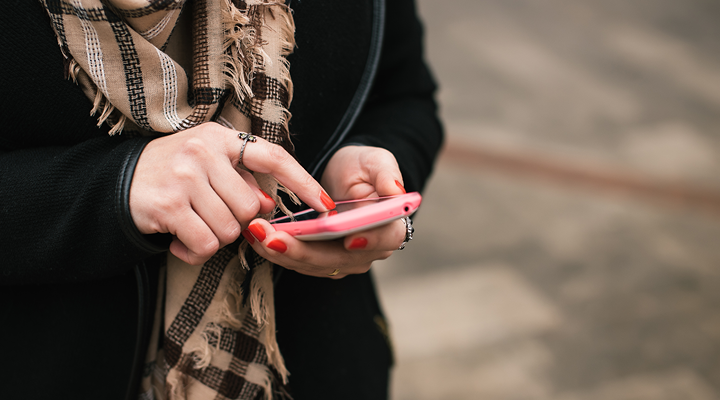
86 216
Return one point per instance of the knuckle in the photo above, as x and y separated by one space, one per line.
252 204
155 224
207 127
170 205
280 157
275 152
383 153
195 146
213 126
307 181
380 156
194 259
207 249
249 211
183 172
230 233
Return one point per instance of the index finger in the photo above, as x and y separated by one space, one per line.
265 157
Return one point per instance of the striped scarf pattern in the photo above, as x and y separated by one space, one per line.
214 331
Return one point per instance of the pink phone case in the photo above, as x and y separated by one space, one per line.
356 220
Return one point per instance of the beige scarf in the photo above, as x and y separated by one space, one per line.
218 326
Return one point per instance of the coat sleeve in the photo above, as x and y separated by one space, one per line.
401 114
64 213
64 183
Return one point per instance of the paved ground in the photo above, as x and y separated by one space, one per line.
543 267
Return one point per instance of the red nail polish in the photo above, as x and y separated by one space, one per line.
332 212
257 231
277 245
267 196
358 243
327 201
400 186
248 236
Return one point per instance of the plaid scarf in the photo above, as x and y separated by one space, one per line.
215 336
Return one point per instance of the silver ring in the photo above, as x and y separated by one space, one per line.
408 231
245 137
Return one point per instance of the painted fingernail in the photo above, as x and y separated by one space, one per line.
332 212
248 236
257 231
358 243
400 186
267 196
327 201
277 245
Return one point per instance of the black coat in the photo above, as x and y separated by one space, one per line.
77 276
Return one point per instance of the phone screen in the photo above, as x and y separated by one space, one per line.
340 207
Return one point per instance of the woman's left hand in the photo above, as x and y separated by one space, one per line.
354 172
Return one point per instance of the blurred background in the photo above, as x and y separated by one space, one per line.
569 243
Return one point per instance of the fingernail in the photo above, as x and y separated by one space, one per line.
400 186
358 243
267 196
277 245
248 236
257 231
332 212
327 201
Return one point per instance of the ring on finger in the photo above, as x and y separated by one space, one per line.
337 271
245 137
409 230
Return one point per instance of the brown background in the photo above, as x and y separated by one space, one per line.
569 242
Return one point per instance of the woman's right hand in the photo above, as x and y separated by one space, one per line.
188 184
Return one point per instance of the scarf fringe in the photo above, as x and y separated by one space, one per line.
262 305
244 53
287 46
73 71
240 47
257 37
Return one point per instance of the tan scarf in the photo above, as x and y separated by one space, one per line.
218 340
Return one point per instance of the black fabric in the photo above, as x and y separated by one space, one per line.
328 333
69 295
329 72
68 341
69 291
328 330
400 114
59 173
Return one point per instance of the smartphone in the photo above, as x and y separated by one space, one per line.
348 217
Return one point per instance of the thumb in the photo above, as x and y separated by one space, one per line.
385 175
389 184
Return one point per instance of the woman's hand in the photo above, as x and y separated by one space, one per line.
353 172
188 184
